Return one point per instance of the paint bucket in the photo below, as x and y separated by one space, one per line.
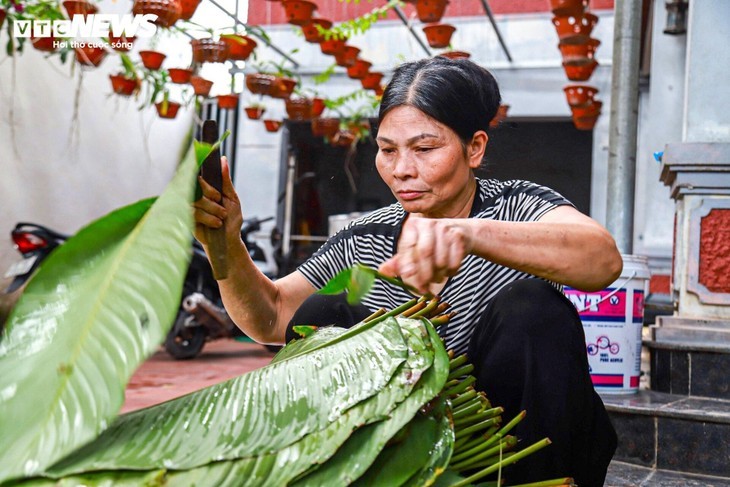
612 320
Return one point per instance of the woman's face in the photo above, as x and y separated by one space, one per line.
425 165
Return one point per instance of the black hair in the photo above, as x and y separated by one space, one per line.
455 92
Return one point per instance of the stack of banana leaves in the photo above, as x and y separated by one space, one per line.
379 404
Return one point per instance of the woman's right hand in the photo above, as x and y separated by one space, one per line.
212 211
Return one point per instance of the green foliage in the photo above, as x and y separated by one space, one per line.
358 25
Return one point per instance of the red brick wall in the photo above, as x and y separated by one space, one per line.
265 12
715 251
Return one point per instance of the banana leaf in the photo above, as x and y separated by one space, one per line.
96 308
322 335
258 413
361 450
439 454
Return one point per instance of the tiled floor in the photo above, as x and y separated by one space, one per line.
627 475
161 377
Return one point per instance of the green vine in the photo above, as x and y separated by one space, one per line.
358 25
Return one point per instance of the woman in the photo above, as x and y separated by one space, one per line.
497 252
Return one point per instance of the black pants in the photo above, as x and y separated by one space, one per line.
528 350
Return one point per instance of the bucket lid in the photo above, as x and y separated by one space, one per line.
635 264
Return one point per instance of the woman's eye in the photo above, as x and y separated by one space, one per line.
387 150
424 149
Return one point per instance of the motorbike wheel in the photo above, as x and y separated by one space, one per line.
184 342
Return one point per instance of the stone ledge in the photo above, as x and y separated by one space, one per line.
661 404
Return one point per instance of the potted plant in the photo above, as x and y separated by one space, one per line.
166 108
180 76
430 10
209 50
580 69
359 70
272 125
274 78
126 82
201 86
579 95
568 7
573 50
371 81
188 8
152 59
228 102
89 54
347 56
325 127
575 27
79 7
298 107
311 31
240 46
121 43
168 11
456 54
298 12
332 45
438 35
255 110
499 116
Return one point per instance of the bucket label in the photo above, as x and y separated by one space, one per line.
607 305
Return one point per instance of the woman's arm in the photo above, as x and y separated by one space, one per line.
563 245
258 306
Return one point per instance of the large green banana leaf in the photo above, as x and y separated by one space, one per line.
439 454
363 447
260 412
97 307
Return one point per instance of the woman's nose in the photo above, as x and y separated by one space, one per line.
404 167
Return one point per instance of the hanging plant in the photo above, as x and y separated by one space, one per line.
575 28
371 81
167 109
298 108
240 46
209 50
580 69
272 125
298 12
254 111
180 75
188 8
168 11
347 56
357 25
438 35
313 30
201 86
430 10
79 7
127 82
121 43
152 59
90 54
577 51
228 102
568 7
359 70
579 95
456 54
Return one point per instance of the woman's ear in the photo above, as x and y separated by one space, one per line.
477 148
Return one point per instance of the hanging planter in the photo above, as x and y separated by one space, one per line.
121 43
586 122
228 102
579 95
283 87
311 33
343 138
359 70
580 70
121 85
347 57
3 14
499 116
272 125
79 7
209 51
298 12
587 110
168 11
188 8
430 10
254 112
44 44
89 55
577 51
371 81
180 76
333 46
201 86
575 28
568 7
167 109
260 84
299 108
456 54
152 59
240 46
318 106
325 127
439 35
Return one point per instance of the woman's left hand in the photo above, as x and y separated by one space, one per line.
429 251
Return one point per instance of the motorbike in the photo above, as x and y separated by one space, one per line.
201 316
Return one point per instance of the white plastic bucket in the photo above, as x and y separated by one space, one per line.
612 320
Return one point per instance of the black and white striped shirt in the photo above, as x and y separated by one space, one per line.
372 239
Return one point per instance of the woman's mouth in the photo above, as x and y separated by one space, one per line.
409 194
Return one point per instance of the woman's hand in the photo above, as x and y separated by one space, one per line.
212 211
429 251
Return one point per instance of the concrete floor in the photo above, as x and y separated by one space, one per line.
162 378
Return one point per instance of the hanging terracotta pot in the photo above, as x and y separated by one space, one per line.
201 86
576 51
347 56
359 70
240 46
343 138
586 122
325 127
209 51
122 43
456 54
260 84
228 102
298 12
318 106
121 85
44 44
579 95
152 59
168 11
272 125
3 14
167 109
79 7
333 46
90 55
180 76
188 8
283 87
371 81
580 70
311 33
587 110
299 108
439 35
430 10
568 7
578 27
499 116
254 112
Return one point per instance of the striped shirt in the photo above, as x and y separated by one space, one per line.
372 239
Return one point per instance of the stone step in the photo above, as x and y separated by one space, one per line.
621 474
672 432
692 368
